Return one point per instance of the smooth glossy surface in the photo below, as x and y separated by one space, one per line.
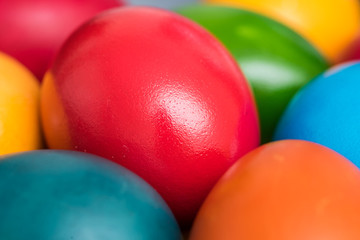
52 195
156 93
19 108
275 60
352 52
329 25
326 111
284 190
33 31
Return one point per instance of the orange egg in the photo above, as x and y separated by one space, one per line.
328 25
286 190
53 115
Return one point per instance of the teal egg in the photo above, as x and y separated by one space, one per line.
64 195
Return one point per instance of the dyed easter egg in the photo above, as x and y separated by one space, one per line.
155 92
51 195
327 111
19 108
329 25
33 31
284 190
275 60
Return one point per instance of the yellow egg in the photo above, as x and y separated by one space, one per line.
19 108
330 25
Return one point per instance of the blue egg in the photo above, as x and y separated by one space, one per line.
327 111
63 195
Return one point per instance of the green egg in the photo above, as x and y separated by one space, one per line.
275 60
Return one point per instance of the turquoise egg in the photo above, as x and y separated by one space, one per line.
64 195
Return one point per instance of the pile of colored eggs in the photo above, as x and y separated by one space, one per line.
153 120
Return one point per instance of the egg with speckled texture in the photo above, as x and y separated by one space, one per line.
155 92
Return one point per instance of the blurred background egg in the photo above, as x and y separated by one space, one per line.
32 31
329 25
19 107
51 195
284 190
275 60
327 111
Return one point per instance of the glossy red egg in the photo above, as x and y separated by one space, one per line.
158 94
32 31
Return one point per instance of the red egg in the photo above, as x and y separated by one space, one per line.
32 31
158 94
